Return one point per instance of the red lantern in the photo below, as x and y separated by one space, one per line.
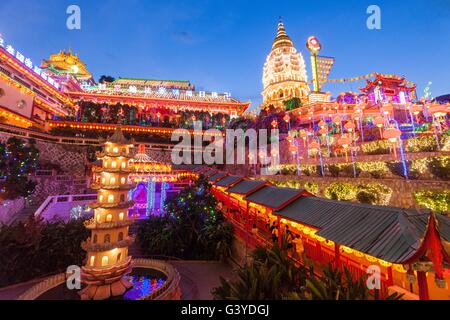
293 149
337 120
314 146
350 126
392 134
344 142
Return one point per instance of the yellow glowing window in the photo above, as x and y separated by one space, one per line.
92 261
109 218
124 164
103 180
112 181
116 150
123 181
121 216
107 149
105 261
98 218
114 165
100 198
111 198
105 164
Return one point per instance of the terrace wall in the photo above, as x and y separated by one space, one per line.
402 189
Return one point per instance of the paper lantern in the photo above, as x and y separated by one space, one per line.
350 126
392 134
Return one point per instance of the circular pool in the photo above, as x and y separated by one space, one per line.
151 280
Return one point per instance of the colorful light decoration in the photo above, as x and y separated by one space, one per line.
345 142
350 126
274 123
392 134
150 197
127 128
314 48
164 187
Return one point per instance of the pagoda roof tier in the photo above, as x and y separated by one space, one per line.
118 137
103 275
98 186
102 155
111 170
122 205
100 247
167 101
93 225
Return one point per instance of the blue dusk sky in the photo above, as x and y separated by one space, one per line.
222 45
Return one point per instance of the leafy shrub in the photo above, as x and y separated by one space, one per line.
438 201
376 147
37 249
376 169
376 194
312 187
440 167
396 167
341 191
421 144
444 142
311 170
418 168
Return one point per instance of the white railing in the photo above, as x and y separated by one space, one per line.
63 198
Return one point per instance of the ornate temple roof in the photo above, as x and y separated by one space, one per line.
156 83
142 157
282 38
67 63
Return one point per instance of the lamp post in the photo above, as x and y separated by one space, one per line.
287 119
315 148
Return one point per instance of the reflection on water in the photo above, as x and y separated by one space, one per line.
142 286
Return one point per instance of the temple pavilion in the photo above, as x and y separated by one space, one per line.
410 247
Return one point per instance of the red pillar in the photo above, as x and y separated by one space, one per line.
337 255
247 217
423 285
280 240
390 274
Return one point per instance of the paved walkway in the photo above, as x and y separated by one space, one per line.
198 279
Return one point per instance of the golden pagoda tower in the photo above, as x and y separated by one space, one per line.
67 63
284 73
107 248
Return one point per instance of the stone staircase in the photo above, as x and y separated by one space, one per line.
24 214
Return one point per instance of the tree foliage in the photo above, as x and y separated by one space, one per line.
193 228
17 161
36 249
274 276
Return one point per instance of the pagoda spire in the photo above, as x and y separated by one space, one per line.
282 37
